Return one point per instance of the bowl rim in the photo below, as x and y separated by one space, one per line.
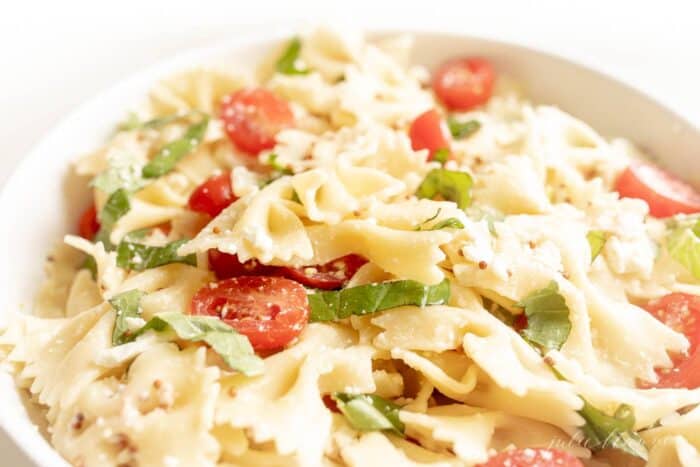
24 435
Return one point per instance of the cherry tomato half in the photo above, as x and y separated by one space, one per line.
681 312
332 275
213 196
533 457
88 225
428 131
464 83
270 311
226 266
665 194
252 118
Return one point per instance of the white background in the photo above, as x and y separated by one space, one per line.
54 55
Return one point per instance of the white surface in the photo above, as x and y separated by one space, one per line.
56 56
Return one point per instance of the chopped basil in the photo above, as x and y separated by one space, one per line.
234 348
124 171
449 223
133 123
116 206
683 245
91 265
139 257
126 305
372 298
288 63
367 412
449 184
603 431
277 167
547 315
596 240
164 161
461 130
441 155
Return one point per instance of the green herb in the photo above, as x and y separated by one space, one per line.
461 130
288 63
603 431
124 171
371 298
596 240
683 245
126 305
234 348
441 155
449 223
91 265
450 185
139 257
116 206
133 123
164 161
277 167
367 412
547 314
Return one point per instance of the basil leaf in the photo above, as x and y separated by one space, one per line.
124 171
126 305
371 298
288 63
234 348
91 265
116 206
449 223
367 412
139 257
164 161
547 317
683 245
461 130
441 155
449 184
603 431
277 167
133 123
596 240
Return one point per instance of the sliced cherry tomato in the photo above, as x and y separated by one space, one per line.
226 266
428 131
680 312
331 275
533 457
213 196
88 225
270 311
252 118
464 83
665 194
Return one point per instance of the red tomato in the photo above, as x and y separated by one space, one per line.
464 83
252 118
332 275
533 457
428 131
680 312
270 311
665 194
88 225
226 266
213 196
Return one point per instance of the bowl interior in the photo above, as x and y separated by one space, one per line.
42 200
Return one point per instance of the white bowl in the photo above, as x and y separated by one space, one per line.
41 201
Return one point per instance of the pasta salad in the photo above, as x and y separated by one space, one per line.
341 258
